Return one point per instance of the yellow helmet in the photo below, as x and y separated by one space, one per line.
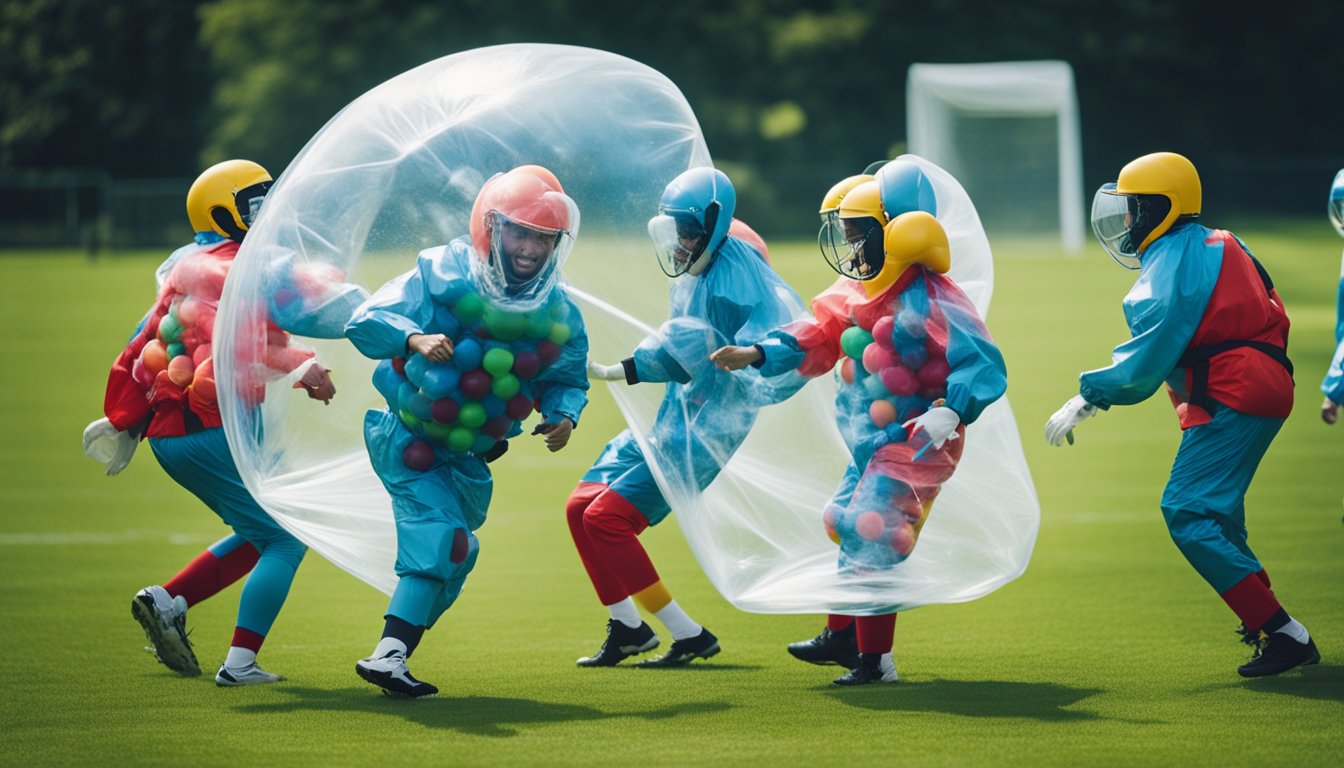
1166 174
911 238
225 198
830 203
857 197
864 201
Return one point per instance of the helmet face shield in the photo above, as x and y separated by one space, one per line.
524 262
679 241
1337 214
852 247
248 201
1113 223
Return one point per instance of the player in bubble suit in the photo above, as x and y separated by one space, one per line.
724 290
1206 320
162 387
917 364
479 333
1333 384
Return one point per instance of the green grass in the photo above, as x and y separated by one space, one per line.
1109 650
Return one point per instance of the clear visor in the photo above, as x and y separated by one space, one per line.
1112 223
248 201
524 263
677 244
843 254
1337 214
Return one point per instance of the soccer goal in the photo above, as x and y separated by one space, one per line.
1009 132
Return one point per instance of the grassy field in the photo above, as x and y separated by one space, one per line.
1109 651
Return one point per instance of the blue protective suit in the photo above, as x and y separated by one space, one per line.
438 508
706 413
1333 384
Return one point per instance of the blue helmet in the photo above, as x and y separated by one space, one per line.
904 188
693 219
1337 203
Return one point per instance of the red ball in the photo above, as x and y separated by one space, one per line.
497 427
903 538
882 332
526 364
548 352
899 380
475 384
869 526
181 371
934 374
847 370
418 456
828 519
518 407
399 365
444 410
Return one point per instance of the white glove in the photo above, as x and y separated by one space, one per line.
111 446
1060 426
597 370
938 424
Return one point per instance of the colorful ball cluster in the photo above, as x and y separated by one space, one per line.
901 361
477 398
879 526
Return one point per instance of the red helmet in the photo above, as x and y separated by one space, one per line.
529 197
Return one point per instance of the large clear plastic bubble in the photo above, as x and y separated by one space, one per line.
397 171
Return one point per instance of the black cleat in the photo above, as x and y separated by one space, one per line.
1279 653
870 669
622 642
829 648
702 646
391 674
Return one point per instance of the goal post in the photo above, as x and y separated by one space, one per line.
1009 132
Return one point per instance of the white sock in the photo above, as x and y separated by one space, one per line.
1295 630
626 613
240 657
388 645
677 622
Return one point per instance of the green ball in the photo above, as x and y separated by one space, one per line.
169 329
854 340
471 415
469 308
497 361
460 439
505 386
506 326
538 325
175 349
409 419
559 333
440 432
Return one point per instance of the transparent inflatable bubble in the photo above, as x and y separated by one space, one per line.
397 171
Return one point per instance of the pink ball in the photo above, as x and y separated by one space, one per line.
444 410
876 357
418 456
869 526
201 354
475 384
882 332
903 538
899 380
882 412
934 374
828 519
847 370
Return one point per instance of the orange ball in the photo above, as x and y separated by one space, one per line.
154 356
181 370
882 412
847 370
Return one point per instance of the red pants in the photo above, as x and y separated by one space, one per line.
605 526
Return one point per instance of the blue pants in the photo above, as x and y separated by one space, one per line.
1204 502
435 513
202 464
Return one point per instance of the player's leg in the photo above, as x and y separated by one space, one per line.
875 638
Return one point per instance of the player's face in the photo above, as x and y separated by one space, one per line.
525 250
857 232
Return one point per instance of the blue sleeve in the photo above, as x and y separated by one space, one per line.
1339 311
781 353
562 388
380 326
977 375
1333 384
1163 309
311 299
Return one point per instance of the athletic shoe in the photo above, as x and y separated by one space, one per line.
702 646
622 642
872 668
1279 653
829 648
249 675
164 619
392 675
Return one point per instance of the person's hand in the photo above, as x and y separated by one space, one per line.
317 382
938 424
1060 426
1329 411
734 358
602 372
111 446
557 435
433 346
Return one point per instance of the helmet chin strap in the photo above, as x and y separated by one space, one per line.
224 220
700 261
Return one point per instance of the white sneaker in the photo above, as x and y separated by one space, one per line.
164 619
392 675
249 675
